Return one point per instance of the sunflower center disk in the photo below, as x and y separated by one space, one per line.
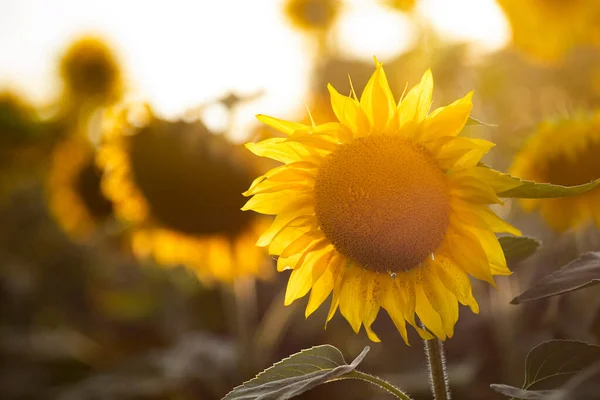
383 202
191 180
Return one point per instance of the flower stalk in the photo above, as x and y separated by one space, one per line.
436 363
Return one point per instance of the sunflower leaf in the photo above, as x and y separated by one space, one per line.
516 393
297 374
518 248
551 364
534 190
578 274
475 122
583 386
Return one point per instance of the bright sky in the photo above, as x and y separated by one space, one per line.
178 54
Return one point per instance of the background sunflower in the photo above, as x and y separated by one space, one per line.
564 152
180 185
75 197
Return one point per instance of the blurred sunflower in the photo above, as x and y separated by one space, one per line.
75 198
181 186
385 208
565 152
402 5
20 133
312 15
91 75
547 29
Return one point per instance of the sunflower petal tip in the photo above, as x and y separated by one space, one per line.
377 63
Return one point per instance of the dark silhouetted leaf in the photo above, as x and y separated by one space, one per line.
578 274
518 248
296 374
516 393
583 386
553 363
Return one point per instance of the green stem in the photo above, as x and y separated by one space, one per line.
378 382
438 377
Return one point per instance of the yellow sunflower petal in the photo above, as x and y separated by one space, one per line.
348 112
355 287
300 280
427 314
448 120
415 105
280 125
457 281
481 216
321 290
392 301
377 100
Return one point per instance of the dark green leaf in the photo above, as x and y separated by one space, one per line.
578 274
551 364
584 386
518 248
296 374
516 393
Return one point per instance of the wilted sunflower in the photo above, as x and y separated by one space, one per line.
385 208
312 15
90 74
179 185
74 193
547 29
564 152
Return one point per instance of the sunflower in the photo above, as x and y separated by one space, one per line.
312 15
74 194
563 152
90 73
386 208
547 29
179 186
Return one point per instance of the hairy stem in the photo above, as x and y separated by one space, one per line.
385 385
436 362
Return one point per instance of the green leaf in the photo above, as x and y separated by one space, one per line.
475 122
516 393
578 274
534 190
297 374
584 386
518 248
551 364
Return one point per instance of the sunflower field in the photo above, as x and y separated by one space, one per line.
312 199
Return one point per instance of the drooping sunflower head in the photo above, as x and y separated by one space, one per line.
312 15
563 152
90 72
547 29
386 207
179 185
74 195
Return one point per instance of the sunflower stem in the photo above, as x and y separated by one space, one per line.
436 363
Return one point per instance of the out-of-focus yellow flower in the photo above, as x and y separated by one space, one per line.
90 74
402 5
547 29
180 187
75 198
564 152
312 15
386 208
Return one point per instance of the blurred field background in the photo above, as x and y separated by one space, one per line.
96 303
